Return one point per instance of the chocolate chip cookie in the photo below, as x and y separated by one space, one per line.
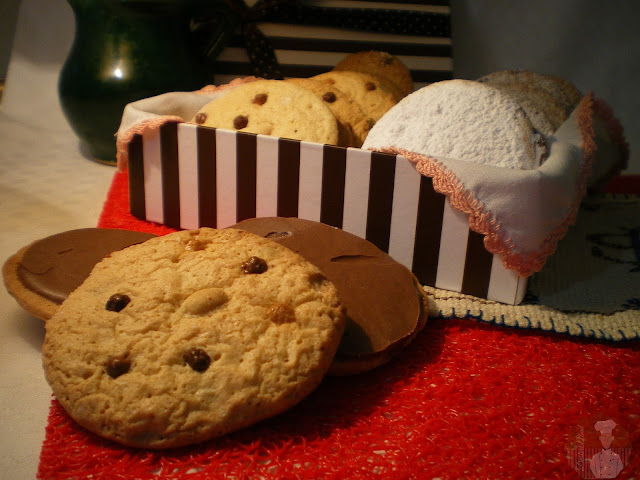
190 336
353 125
381 64
271 107
386 306
370 92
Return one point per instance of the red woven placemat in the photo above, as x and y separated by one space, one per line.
464 400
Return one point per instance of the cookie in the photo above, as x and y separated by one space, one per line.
373 96
386 306
353 125
463 120
546 114
271 107
41 275
381 64
190 336
547 99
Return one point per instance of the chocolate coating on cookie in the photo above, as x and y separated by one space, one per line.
55 266
385 304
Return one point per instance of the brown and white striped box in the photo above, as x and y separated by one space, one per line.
186 176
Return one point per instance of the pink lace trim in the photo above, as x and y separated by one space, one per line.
122 151
122 144
616 133
482 220
447 183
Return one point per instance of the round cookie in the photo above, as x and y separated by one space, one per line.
353 126
382 64
386 306
463 120
546 114
271 107
546 93
190 336
41 275
543 97
373 96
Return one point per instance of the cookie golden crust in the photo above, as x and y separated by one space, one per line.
35 304
191 336
382 64
373 96
353 125
271 107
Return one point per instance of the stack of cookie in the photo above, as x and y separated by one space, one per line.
173 340
502 119
207 332
336 108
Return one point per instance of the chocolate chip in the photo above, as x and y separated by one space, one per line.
280 313
388 60
117 302
197 359
370 86
116 366
240 122
260 99
329 97
201 118
254 265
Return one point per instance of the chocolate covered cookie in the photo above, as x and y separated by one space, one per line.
386 306
41 275
190 336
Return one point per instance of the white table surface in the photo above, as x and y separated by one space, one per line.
46 186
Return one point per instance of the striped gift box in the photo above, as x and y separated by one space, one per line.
304 50
187 176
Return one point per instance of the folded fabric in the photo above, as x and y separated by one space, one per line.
524 213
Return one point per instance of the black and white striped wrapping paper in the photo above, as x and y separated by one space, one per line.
187 176
307 49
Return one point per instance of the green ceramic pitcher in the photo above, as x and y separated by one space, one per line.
124 51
